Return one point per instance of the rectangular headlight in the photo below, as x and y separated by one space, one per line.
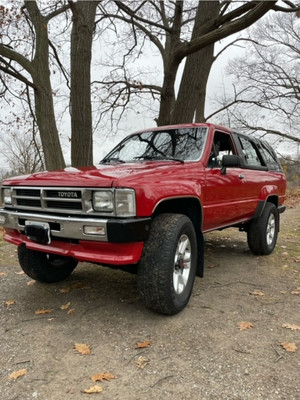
125 203
7 198
103 201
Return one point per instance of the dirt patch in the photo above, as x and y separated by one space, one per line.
200 353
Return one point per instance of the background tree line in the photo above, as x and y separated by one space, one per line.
53 56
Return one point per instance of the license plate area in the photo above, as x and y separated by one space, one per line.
38 232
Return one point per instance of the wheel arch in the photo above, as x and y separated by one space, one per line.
189 206
262 203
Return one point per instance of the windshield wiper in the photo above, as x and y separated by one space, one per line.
112 159
159 158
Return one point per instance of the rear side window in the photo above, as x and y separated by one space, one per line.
251 153
270 157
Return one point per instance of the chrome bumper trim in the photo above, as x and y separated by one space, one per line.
69 227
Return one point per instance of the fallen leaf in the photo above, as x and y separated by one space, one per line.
71 311
93 389
211 266
293 327
65 290
20 273
290 347
65 306
17 374
257 293
285 253
142 345
43 311
10 302
30 283
296 292
78 285
141 362
245 325
82 348
3 273
103 376
297 260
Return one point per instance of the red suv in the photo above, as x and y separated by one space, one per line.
145 208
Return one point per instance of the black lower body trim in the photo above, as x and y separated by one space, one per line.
128 230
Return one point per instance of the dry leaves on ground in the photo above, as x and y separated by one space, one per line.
10 302
65 290
16 374
103 376
65 306
82 348
257 293
43 311
243 325
141 362
293 327
93 389
290 347
296 291
142 345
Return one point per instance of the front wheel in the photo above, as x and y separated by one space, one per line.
167 269
263 231
45 267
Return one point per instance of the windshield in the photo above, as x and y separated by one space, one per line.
181 145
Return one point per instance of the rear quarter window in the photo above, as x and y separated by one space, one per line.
270 157
251 153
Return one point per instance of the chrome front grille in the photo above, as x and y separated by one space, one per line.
63 200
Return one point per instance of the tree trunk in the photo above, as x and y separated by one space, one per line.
47 127
81 110
44 107
171 64
192 91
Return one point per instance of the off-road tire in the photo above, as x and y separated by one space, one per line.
165 278
263 231
45 267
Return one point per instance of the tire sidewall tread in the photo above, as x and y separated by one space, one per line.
257 232
155 272
37 266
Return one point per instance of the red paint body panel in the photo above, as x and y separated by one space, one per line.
106 253
224 199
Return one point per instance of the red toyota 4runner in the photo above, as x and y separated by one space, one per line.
146 206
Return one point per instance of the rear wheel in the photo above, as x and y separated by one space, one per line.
45 267
167 269
263 231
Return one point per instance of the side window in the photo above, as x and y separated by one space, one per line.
250 151
269 157
222 145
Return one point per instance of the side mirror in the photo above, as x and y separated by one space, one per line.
230 161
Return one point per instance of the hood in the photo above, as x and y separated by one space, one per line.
95 176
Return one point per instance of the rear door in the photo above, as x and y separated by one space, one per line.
261 169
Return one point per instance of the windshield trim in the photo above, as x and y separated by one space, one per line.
112 157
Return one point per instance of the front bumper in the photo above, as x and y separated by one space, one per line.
114 230
96 252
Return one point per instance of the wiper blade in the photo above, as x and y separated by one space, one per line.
112 159
160 158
